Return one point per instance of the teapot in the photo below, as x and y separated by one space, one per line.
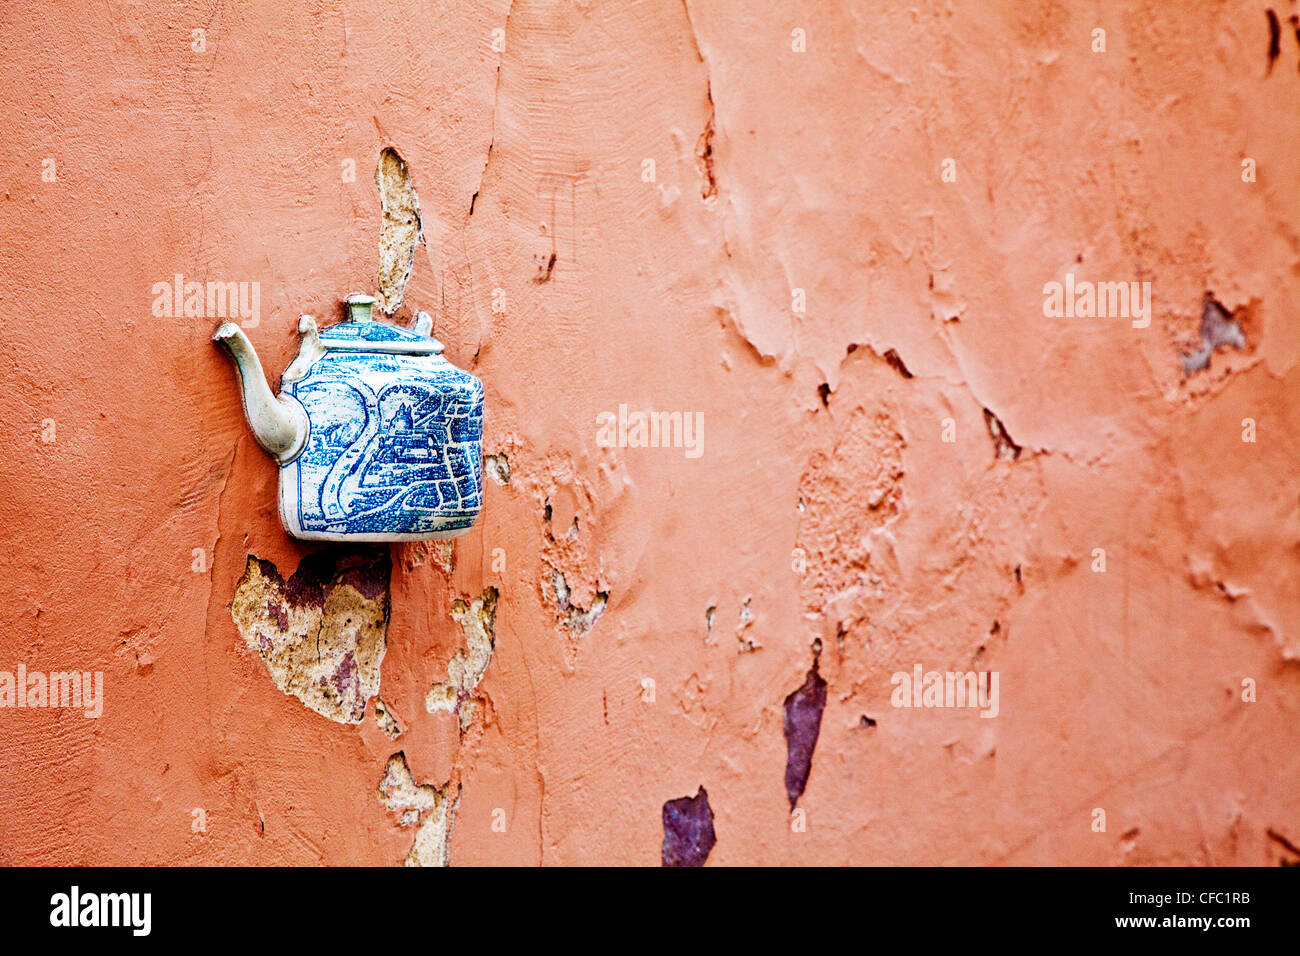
378 437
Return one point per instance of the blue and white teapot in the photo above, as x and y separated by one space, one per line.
379 438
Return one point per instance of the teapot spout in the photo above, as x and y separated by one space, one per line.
279 424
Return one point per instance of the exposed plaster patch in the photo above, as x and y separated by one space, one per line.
1217 328
803 722
386 720
400 794
420 803
497 468
578 620
570 577
466 668
322 634
400 230
432 846
688 830
746 644
1003 445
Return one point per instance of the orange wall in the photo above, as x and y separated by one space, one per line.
825 501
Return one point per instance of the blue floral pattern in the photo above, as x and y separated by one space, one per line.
395 441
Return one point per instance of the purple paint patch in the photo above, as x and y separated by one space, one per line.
688 830
347 683
279 613
263 642
803 722
346 679
371 580
367 570
269 570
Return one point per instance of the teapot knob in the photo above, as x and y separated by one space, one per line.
360 307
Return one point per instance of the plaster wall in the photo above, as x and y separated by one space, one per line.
823 231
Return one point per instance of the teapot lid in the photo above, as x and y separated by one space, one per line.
360 333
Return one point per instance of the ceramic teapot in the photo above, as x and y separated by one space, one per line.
378 437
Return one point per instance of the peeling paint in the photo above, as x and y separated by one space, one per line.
746 643
467 667
322 633
399 792
422 804
400 229
386 720
572 585
577 619
444 555
432 845
1003 445
704 157
497 468
1217 328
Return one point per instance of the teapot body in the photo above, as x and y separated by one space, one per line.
394 450
378 437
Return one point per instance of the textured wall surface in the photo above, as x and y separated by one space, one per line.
820 232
